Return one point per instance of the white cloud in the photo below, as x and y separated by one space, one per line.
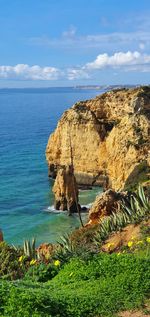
76 73
26 72
120 59
125 61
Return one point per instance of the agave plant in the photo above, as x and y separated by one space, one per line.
139 205
29 248
136 209
68 249
65 249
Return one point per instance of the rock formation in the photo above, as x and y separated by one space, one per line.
65 190
110 139
105 204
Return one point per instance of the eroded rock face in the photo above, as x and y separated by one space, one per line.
110 139
105 204
65 190
80 126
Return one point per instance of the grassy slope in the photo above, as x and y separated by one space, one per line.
98 287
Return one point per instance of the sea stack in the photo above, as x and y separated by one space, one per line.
65 190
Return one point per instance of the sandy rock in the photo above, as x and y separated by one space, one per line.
80 126
121 238
46 250
65 190
105 204
110 139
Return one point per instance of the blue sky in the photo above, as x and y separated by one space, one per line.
60 42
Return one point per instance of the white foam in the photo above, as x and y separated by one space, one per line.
88 206
51 209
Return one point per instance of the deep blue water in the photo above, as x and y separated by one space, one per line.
27 117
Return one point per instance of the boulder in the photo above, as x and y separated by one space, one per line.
105 204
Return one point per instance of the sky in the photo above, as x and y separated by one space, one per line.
46 43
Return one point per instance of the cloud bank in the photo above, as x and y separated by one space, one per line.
119 59
26 72
125 61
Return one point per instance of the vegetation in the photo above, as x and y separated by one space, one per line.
9 265
100 286
41 272
29 249
137 209
77 280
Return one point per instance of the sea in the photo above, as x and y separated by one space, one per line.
27 118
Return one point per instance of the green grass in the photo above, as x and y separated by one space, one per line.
100 286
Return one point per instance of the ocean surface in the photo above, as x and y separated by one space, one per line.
27 117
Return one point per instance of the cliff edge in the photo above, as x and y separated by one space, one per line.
110 139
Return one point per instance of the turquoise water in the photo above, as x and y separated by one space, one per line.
27 117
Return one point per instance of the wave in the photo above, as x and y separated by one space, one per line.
88 206
51 209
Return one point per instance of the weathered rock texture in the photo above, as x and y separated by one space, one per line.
105 204
65 190
110 139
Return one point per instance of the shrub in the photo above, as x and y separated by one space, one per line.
10 267
41 272
78 244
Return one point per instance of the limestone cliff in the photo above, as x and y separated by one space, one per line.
109 136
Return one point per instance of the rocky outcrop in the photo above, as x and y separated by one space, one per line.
110 139
65 190
105 204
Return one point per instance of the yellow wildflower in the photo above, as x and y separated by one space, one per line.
130 244
139 242
32 262
57 263
20 258
109 245
148 239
